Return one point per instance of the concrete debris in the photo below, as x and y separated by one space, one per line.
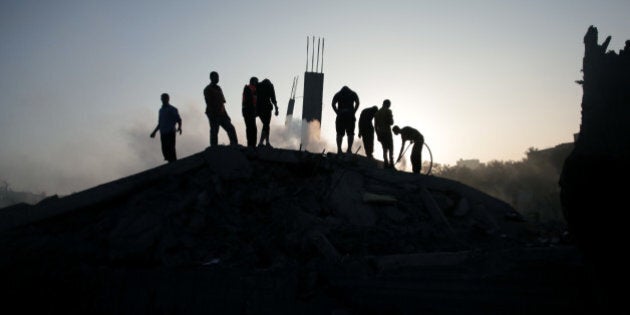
320 241
392 262
228 163
378 198
244 224
462 208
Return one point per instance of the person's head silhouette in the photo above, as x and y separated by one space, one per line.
214 77
396 129
387 103
165 98
253 80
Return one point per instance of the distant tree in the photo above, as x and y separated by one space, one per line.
437 168
531 150
530 185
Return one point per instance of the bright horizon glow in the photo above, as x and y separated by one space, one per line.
81 80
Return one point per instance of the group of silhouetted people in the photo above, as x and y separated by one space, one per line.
259 100
345 103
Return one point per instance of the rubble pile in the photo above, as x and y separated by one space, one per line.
273 226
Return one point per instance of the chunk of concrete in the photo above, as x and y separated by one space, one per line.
346 198
392 262
378 198
228 162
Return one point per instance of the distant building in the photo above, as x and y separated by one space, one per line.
471 163
555 156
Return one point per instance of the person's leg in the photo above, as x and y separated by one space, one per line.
168 146
252 137
416 157
391 156
390 147
379 138
226 123
173 146
164 144
250 128
268 130
384 147
265 118
340 131
350 132
269 127
214 131
368 143
384 155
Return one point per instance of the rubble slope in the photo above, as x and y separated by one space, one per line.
272 229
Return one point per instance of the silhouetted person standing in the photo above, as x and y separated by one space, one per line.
417 139
345 104
249 111
366 129
168 118
215 110
266 103
383 120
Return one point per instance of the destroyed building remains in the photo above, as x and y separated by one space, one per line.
277 231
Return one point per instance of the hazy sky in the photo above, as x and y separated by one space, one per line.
81 80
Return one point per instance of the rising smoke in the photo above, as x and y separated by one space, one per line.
85 163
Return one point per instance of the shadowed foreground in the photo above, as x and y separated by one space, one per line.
234 231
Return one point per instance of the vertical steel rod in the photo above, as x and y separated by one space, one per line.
313 54
322 70
317 66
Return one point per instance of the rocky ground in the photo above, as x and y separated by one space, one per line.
230 230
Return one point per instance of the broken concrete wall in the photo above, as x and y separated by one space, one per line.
594 178
604 130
